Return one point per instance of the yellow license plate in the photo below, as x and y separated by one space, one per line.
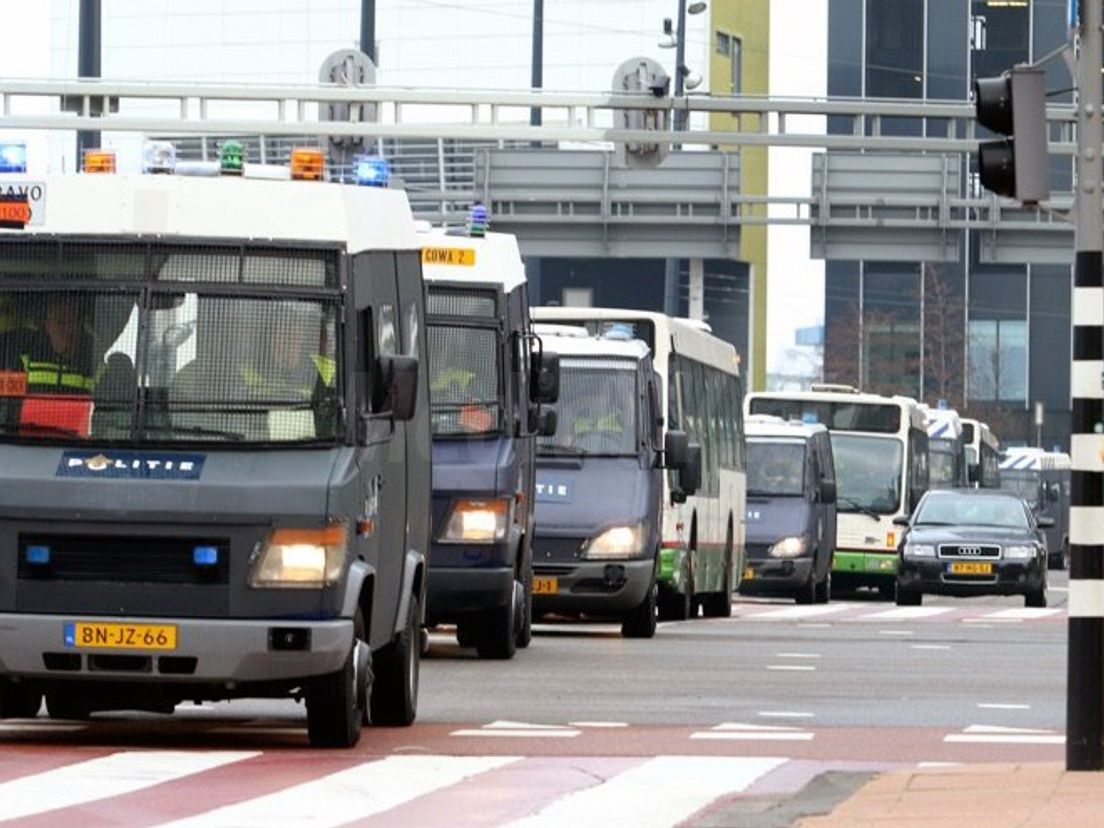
545 586
749 573
86 634
971 568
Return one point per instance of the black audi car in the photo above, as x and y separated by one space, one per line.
972 542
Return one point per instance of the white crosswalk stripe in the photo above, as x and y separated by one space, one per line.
106 777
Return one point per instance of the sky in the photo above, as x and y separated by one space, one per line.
798 67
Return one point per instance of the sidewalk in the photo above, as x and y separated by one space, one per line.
1033 795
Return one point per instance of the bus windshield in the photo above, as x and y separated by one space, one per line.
775 467
106 344
596 412
464 387
868 472
1024 484
941 463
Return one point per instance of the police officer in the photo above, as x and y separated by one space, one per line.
59 359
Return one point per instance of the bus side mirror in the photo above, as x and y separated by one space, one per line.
398 380
827 491
901 520
544 383
690 475
676 449
547 421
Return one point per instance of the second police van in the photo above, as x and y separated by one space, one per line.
1042 479
485 385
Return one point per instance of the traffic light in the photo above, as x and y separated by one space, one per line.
1014 105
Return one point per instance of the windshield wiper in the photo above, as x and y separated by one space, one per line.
200 431
855 506
567 451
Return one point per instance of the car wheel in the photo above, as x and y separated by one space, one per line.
640 622
19 702
824 588
1038 598
497 637
335 713
397 667
908 597
806 593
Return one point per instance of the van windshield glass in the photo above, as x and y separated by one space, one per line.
1024 484
868 472
597 411
941 463
775 467
159 356
464 388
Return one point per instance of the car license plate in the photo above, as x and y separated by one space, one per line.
971 568
88 634
749 573
545 586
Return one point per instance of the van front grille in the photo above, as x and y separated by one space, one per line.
119 559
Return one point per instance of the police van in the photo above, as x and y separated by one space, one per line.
486 388
791 509
600 483
216 452
1042 479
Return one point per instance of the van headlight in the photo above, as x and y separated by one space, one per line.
616 542
788 548
305 558
1020 553
919 550
477 521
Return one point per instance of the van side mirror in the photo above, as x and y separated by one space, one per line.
544 381
547 421
690 474
398 386
1053 493
1045 522
827 491
676 449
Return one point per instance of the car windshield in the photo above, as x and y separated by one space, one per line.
775 467
144 344
868 472
941 463
464 387
596 412
1023 484
961 510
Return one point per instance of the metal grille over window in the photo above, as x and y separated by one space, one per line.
454 303
464 380
152 360
597 408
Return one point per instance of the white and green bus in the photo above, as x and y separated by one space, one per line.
702 548
880 447
982 454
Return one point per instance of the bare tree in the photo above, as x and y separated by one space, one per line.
944 351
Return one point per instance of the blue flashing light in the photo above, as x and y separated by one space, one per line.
37 555
809 417
205 556
942 405
477 223
372 171
13 157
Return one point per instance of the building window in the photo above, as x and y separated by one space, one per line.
723 47
998 360
737 66
578 297
894 48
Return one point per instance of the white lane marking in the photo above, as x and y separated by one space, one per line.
1001 706
740 731
598 724
799 612
688 783
896 632
361 791
931 646
793 668
786 714
756 728
815 626
1021 614
506 724
906 613
797 655
106 777
1003 729
924 765
996 735
508 729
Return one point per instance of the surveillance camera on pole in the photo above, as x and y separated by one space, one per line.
347 67
1014 105
642 75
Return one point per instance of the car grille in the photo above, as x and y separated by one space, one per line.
124 559
557 550
970 551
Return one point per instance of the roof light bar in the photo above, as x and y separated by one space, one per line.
308 164
98 161
231 158
477 222
159 157
372 171
13 157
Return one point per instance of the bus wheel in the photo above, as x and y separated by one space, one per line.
334 703
497 638
394 699
19 702
719 604
640 622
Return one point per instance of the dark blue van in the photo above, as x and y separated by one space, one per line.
600 483
791 510
487 379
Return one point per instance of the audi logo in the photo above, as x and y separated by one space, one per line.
969 551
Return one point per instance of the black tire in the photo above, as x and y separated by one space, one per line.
497 635
525 631
394 698
806 593
887 590
335 712
824 588
719 604
1038 598
19 702
62 704
467 632
640 622
1061 560
909 598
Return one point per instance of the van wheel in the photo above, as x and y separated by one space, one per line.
61 704
525 631
807 592
394 699
824 588
497 637
19 702
641 621
335 711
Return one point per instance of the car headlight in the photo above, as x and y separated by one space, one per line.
919 550
788 548
616 542
477 521
1020 553
305 558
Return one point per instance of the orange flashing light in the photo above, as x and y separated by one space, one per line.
307 164
98 161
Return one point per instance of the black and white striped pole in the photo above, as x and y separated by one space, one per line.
1085 685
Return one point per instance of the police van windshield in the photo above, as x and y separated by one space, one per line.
142 344
775 467
1023 483
596 412
942 468
463 380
